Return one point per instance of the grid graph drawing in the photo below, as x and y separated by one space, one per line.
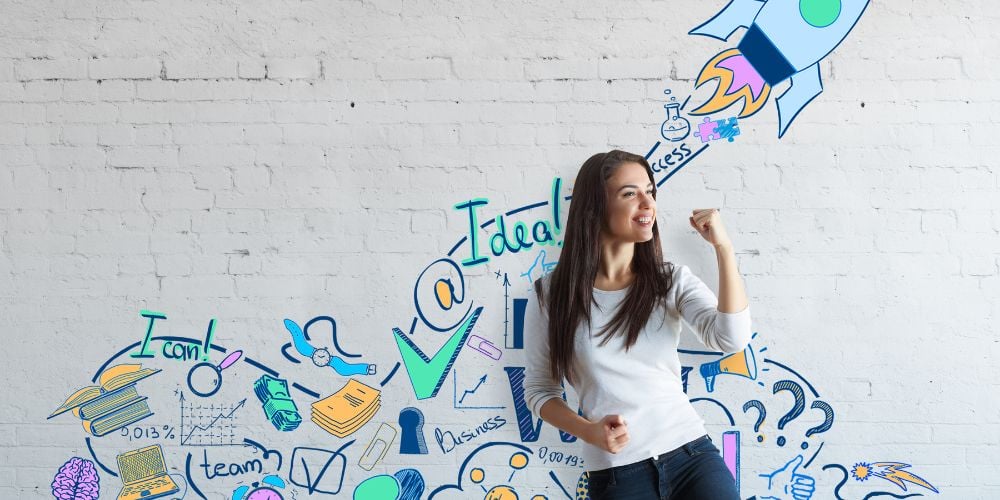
210 424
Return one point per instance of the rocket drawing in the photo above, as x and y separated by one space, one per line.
785 39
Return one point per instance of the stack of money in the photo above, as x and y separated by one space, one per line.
278 405
346 410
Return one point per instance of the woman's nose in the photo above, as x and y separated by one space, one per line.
647 200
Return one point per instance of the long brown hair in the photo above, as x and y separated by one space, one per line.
570 292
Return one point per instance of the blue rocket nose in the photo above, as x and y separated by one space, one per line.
819 13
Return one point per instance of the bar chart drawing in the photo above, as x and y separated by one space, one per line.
515 339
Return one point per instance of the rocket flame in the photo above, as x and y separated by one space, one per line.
890 471
737 80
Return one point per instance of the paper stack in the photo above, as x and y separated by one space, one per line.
346 410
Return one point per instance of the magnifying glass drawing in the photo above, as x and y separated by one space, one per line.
213 379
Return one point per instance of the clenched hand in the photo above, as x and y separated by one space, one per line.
610 433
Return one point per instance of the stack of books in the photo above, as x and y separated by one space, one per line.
346 410
112 404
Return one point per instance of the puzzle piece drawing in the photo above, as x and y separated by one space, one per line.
727 129
706 130
710 130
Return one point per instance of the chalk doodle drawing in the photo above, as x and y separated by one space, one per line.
890 471
412 442
209 425
377 448
269 490
113 403
347 410
480 470
321 356
785 40
212 372
405 484
279 408
319 470
446 312
675 128
144 474
77 479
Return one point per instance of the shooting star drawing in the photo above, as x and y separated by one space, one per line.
890 471
785 39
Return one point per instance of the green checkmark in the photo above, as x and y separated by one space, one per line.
427 374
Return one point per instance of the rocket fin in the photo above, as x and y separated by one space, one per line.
806 85
737 13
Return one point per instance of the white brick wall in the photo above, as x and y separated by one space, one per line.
258 161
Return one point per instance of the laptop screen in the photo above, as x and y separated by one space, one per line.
141 464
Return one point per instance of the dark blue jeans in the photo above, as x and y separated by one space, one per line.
695 471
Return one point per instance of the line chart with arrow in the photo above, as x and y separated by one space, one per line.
209 425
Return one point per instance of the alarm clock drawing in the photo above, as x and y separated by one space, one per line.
258 492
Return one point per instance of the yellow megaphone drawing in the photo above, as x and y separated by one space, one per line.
741 363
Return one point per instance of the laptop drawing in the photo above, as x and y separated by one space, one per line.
144 473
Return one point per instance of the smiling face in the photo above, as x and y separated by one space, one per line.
631 207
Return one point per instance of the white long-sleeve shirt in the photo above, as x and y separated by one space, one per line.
644 384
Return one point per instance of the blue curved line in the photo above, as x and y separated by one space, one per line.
461 470
284 351
389 376
94 455
724 409
130 346
793 372
843 481
187 472
112 358
265 452
333 325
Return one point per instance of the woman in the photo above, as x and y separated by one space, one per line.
608 320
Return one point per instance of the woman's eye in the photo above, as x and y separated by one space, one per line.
629 193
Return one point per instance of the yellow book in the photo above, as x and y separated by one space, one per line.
110 380
118 419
